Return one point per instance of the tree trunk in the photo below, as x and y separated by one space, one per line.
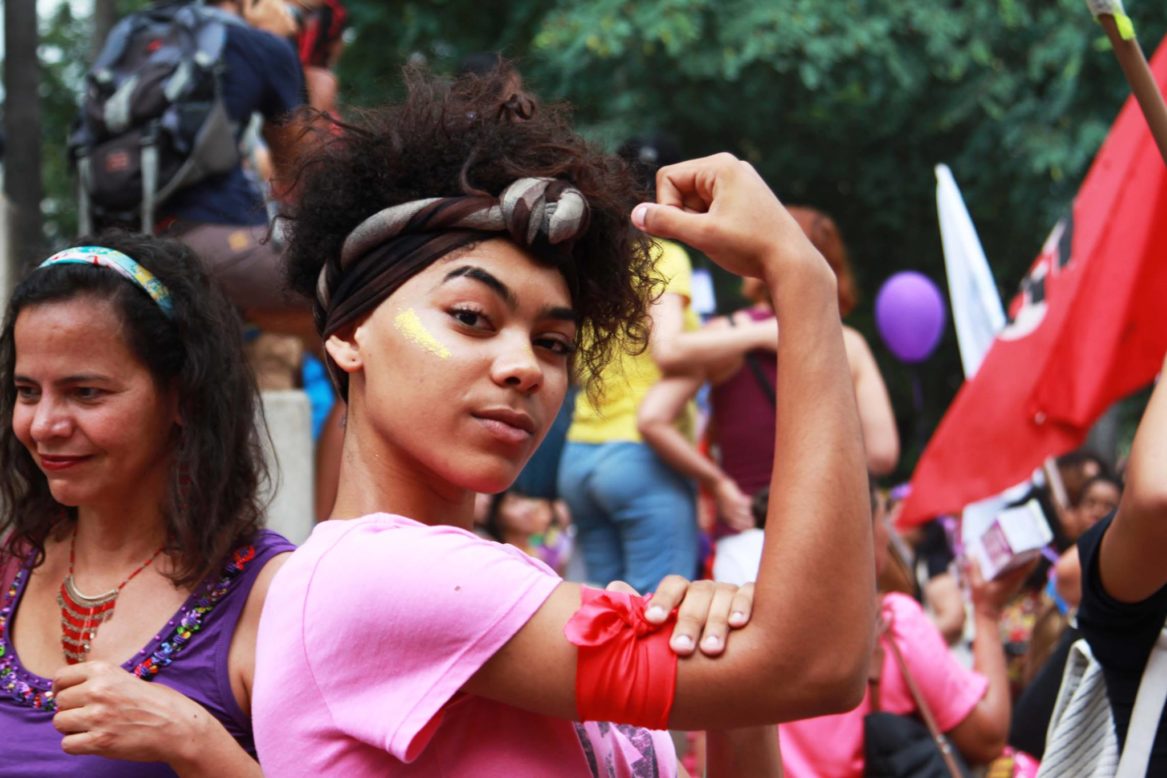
22 126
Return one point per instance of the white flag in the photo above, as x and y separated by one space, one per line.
976 305
977 314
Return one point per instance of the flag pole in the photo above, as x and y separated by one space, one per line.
1120 31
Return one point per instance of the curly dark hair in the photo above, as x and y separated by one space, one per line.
469 136
213 503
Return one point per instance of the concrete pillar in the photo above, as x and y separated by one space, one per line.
290 457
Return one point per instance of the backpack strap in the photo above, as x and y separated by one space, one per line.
1149 702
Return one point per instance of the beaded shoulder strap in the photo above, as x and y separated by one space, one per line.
8 572
191 620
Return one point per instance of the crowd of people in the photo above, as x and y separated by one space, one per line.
562 516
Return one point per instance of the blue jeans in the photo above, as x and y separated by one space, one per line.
635 517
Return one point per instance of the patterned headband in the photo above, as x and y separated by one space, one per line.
535 212
115 260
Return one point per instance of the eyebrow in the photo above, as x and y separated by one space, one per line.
80 378
485 278
504 292
560 313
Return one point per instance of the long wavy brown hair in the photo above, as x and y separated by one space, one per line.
213 502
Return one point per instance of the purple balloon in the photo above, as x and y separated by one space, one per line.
910 314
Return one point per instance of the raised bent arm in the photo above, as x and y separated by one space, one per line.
805 651
1130 558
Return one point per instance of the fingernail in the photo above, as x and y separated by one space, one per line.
737 617
711 643
683 643
639 213
655 613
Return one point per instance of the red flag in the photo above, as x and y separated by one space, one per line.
1088 327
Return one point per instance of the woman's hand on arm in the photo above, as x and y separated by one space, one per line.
706 611
881 438
105 711
1130 558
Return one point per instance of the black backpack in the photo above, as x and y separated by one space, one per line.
152 118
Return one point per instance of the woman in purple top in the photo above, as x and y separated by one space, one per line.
129 469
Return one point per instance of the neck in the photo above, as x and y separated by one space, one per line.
373 481
108 543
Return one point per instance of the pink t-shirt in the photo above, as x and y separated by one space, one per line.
832 746
368 634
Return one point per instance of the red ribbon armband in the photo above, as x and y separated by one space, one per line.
626 672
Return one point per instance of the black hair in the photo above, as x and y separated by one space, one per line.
214 502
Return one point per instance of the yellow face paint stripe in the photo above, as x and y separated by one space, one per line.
410 325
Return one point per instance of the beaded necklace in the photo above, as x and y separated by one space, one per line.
81 614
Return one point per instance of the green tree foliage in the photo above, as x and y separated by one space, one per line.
846 106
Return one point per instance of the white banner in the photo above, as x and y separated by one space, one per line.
976 305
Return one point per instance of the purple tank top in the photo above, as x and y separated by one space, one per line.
189 654
743 420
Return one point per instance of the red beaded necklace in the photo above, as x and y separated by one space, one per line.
81 614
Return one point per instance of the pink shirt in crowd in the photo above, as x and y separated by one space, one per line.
832 746
368 634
